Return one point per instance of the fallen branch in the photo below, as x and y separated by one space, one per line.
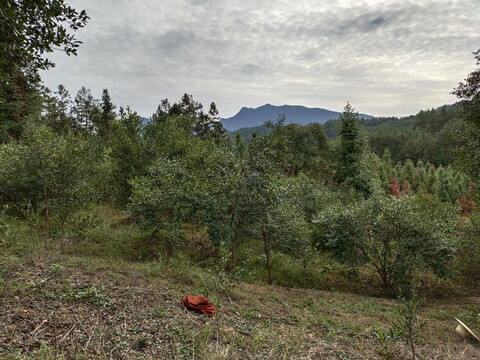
66 334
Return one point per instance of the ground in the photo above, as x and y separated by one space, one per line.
62 306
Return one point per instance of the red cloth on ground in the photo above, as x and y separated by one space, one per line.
199 303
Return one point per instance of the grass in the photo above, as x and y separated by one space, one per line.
111 293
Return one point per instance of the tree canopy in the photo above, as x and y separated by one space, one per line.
28 30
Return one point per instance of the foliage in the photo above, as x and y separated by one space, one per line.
349 152
31 28
394 187
28 29
57 110
129 153
53 173
204 124
424 178
87 112
407 323
296 148
167 198
430 135
395 237
468 145
232 208
247 133
170 133
280 223
468 256
387 340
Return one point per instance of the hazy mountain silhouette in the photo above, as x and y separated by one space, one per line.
249 117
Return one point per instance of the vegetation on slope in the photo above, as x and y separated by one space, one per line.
107 221
106 296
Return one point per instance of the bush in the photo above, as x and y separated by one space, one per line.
394 237
468 256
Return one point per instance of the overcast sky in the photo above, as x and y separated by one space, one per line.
384 57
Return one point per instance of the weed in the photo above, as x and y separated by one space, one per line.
57 269
407 316
387 340
160 313
472 313
143 342
91 294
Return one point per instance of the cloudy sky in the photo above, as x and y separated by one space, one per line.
384 57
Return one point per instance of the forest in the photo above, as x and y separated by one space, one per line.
356 231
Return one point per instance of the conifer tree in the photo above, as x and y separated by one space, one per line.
107 116
350 151
394 187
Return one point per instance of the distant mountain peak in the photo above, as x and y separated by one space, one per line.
297 114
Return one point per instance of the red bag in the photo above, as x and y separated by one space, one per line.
199 303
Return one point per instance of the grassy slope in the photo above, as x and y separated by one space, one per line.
87 302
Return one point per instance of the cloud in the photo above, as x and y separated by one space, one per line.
385 57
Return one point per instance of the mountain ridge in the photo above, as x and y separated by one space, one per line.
298 114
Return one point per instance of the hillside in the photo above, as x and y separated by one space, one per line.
97 300
424 136
251 117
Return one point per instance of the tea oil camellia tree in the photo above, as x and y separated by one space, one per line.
170 195
394 237
50 173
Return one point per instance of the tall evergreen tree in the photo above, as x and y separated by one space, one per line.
57 110
350 151
87 112
107 116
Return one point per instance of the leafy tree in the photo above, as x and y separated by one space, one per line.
31 28
50 172
468 256
136 144
395 237
185 188
296 148
232 208
468 144
28 30
280 223
19 100
130 154
169 196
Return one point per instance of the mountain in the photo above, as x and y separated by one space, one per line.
250 117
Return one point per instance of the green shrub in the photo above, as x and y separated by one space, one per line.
394 237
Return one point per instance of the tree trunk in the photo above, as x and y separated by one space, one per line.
385 278
233 240
47 215
266 243
234 249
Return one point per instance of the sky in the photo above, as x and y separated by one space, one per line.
387 58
